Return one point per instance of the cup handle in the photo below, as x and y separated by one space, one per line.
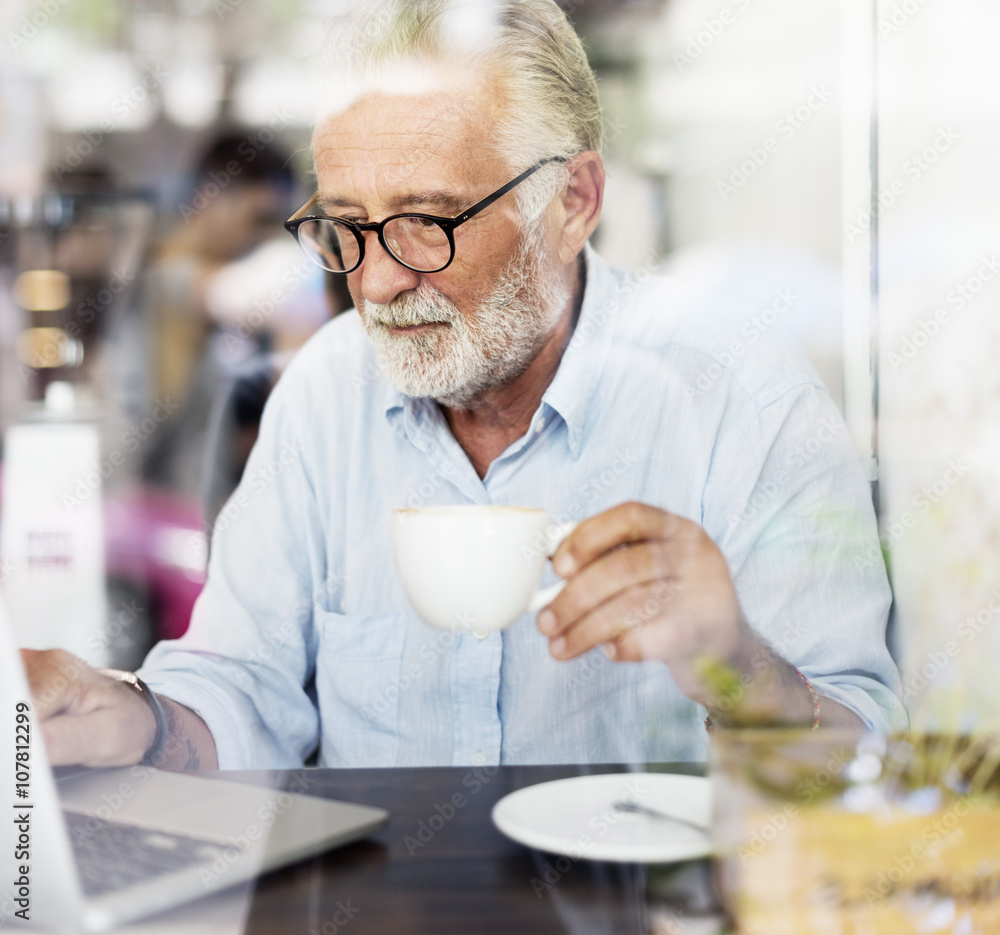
545 596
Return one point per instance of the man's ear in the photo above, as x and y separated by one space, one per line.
581 201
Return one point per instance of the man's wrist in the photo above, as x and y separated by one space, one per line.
759 688
155 750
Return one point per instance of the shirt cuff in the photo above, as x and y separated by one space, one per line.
233 741
876 705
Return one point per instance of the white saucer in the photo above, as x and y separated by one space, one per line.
575 817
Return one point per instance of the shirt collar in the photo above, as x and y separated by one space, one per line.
579 371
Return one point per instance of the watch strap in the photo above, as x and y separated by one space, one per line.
156 748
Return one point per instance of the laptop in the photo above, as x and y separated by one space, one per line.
92 849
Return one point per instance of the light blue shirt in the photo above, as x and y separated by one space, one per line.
303 634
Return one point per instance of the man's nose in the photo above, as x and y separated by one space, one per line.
382 277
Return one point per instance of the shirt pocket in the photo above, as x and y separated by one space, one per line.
357 686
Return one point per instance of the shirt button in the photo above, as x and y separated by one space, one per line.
479 760
539 426
481 634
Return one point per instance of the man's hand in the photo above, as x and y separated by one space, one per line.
649 585
87 718
93 720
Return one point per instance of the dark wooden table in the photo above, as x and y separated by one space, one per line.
448 871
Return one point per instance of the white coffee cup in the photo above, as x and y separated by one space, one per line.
475 567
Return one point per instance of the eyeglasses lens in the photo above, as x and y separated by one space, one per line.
417 242
333 246
421 244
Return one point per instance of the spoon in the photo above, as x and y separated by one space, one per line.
637 808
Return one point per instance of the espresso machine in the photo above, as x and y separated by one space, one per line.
69 262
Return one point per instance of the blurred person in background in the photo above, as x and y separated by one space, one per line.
200 335
235 205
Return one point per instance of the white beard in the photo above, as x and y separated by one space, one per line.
455 362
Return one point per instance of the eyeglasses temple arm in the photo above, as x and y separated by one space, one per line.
500 192
304 210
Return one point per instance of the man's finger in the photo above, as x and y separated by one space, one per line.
106 737
636 644
609 574
625 523
613 620
57 680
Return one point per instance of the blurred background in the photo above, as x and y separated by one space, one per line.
830 162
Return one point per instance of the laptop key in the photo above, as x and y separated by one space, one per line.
111 856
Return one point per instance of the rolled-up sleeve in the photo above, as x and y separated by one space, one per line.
799 532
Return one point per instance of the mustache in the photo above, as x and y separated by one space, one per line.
415 308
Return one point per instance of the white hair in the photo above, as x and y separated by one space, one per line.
551 106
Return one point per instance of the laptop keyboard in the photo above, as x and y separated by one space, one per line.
111 856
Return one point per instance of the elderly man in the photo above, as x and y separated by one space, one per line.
723 561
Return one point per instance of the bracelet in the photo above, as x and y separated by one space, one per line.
156 748
813 696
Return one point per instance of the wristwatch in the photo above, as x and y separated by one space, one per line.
155 751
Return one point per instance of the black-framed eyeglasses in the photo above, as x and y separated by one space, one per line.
421 242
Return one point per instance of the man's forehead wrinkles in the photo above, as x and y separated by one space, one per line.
415 170
387 120
363 152
449 202
391 155
391 148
